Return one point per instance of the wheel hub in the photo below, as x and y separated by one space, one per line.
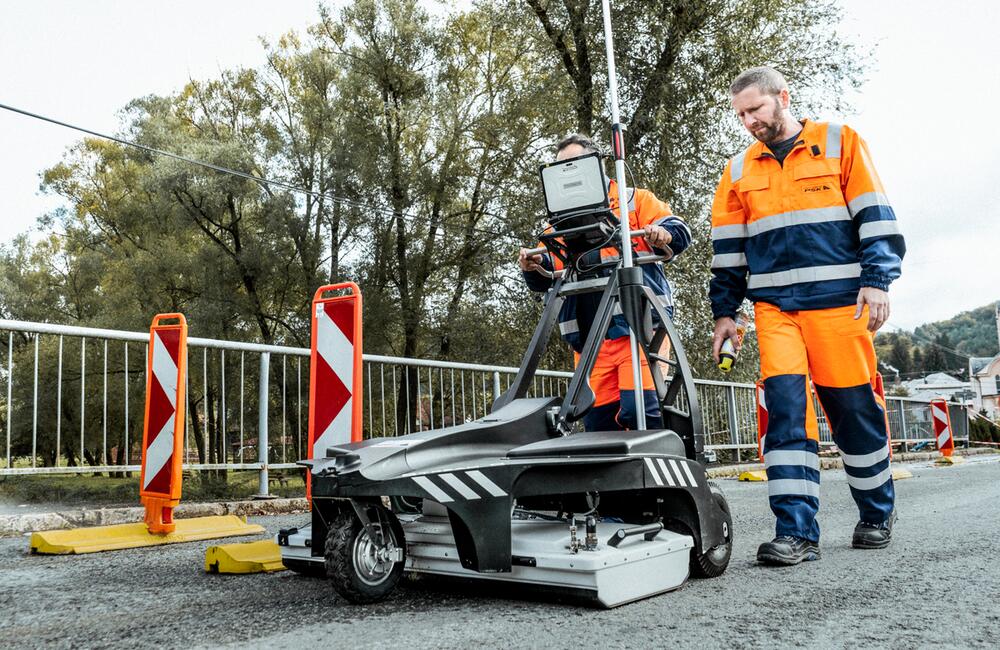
374 562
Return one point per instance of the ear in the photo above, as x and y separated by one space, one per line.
786 99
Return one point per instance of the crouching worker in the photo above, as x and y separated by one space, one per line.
611 379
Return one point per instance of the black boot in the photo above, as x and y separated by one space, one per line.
786 551
868 535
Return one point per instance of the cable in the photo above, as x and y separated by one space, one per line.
233 172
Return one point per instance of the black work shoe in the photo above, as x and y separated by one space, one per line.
786 551
868 535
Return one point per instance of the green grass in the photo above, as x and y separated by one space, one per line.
80 490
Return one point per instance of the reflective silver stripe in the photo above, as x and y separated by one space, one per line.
878 229
808 274
665 300
736 167
666 472
734 231
793 458
569 327
687 470
460 487
798 217
652 470
792 487
832 140
486 483
437 493
729 260
871 482
865 460
867 200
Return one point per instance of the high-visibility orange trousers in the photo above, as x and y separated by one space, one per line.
836 352
614 389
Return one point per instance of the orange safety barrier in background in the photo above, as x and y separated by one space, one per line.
335 394
163 427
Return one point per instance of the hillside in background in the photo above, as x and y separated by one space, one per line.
943 346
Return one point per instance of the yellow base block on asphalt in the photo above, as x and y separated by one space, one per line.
755 475
949 460
254 557
899 474
121 536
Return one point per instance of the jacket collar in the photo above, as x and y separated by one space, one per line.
810 135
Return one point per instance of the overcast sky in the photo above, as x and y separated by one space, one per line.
928 111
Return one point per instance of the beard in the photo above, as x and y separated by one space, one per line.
767 130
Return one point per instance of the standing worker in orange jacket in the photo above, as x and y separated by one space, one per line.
611 379
801 226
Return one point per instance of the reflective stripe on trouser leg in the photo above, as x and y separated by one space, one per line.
790 458
858 425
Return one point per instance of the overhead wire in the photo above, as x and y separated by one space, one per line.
393 214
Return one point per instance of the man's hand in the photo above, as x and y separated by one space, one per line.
725 328
878 307
657 236
529 262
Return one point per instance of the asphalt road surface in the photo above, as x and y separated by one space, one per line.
937 585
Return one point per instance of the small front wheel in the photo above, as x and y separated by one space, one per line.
365 570
713 562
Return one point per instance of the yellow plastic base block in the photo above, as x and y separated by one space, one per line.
898 474
949 460
254 557
755 475
113 538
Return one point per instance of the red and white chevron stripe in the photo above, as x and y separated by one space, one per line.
942 427
161 418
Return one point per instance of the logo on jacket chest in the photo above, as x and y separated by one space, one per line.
818 187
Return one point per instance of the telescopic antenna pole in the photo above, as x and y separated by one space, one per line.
618 148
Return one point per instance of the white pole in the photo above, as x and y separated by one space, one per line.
618 148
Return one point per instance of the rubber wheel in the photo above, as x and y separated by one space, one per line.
713 562
357 569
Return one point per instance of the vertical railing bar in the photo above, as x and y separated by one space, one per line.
34 410
222 406
430 397
441 392
10 382
83 394
298 404
371 405
59 402
204 379
104 414
420 405
395 401
128 450
381 383
453 396
472 388
284 386
461 376
406 370
243 356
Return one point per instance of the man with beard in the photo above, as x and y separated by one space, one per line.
801 226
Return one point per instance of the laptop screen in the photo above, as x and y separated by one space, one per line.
574 185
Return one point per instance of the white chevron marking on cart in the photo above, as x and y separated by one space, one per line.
680 475
652 470
687 470
460 487
486 483
666 472
439 495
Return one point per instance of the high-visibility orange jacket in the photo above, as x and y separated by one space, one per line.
806 234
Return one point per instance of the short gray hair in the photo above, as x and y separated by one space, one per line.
767 79
578 138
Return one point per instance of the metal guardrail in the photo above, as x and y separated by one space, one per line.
75 402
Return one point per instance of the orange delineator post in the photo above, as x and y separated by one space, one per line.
942 427
163 425
761 419
335 395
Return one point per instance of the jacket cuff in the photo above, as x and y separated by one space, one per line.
875 280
